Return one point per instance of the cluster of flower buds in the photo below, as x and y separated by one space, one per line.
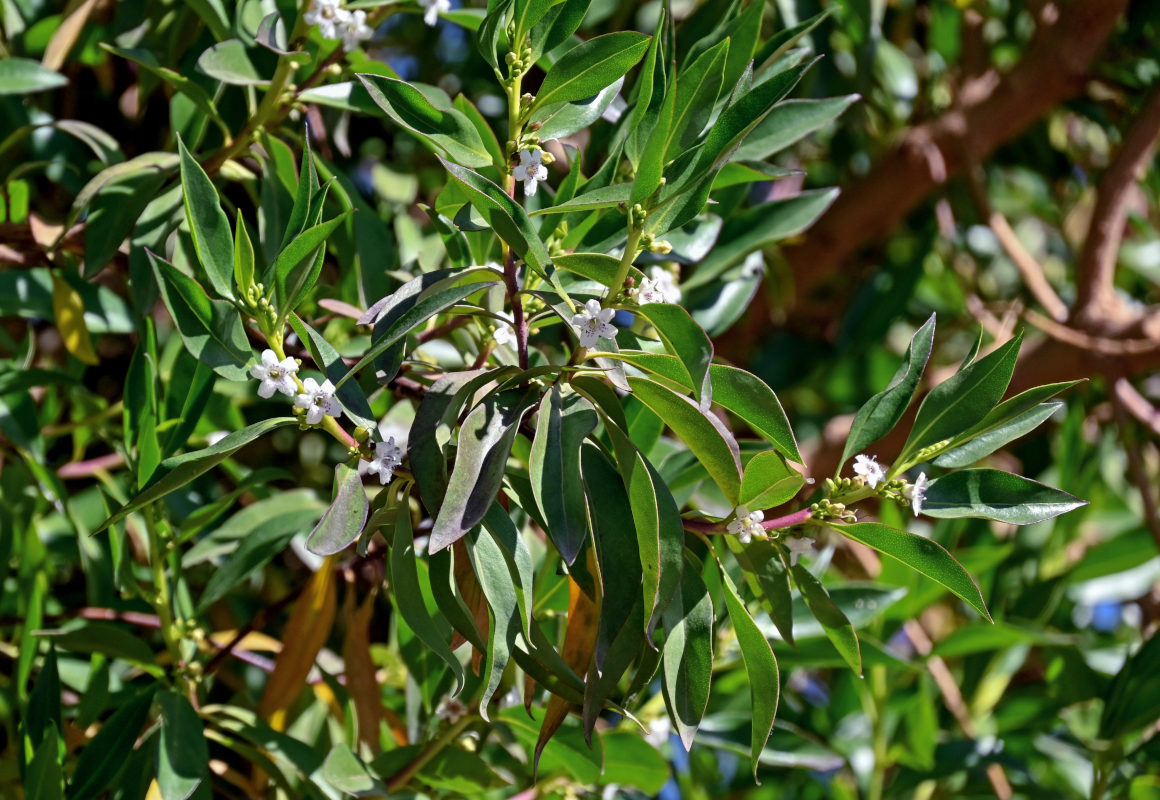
827 509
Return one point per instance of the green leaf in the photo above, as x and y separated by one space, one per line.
443 126
997 495
26 76
660 538
345 771
962 400
650 168
102 759
42 715
616 548
760 669
631 761
921 554
768 579
485 441
177 471
211 329
768 481
685 339
528 13
229 63
243 256
343 520
790 122
759 227
182 753
432 631
563 422
208 225
878 416
702 432
838 629
595 267
114 200
564 119
587 68
94 636
604 197
500 590
43 777
354 400
558 25
1133 700
254 551
687 657
747 396
296 268
698 87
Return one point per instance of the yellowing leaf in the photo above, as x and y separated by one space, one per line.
360 668
69 310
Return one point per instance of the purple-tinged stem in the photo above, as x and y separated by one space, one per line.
788 521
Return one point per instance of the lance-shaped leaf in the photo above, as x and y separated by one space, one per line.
208 225
296 268
353 399
881 412
599 687
768 481
563 422
760 669
104 757
485 441
604 197
616 549
993 494
432 631
589 67
595 267
491 568
229 63
343 520
660 538
962 400
564 119
837 627
687 656
698 86
789 122
703 433
750 398
175 472
920 554
211 329
768 579
438 122
182 752
685 339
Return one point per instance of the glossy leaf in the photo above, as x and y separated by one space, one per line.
564 119
504 620
687 657
698 86
768 481
605 197
997 495
563 422
838 628
343 521
747 396
208 225
685 339
920 554
589 67
182 753
878 416
768 579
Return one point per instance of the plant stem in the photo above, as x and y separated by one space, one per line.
878 691
510 278
403 776
631 250
161 598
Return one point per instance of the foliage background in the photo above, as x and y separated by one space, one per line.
998 170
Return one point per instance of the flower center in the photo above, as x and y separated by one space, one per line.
275 373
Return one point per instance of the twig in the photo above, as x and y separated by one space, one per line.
1092 343
1137 405
1096 297
1136 468
1032 273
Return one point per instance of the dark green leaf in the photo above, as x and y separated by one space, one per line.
343 521
698 87
565 119
825 610
687 657
747 396
685 339
587 68
208 225
791 121
182 753
105 755
563 422
296 267
768 579
44 777
997 495
496 580
605 197
353 399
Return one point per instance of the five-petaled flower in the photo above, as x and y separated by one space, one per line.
916 493
658 287
326 14
868 468
433 8
531 169
275 375
388 456
504 332
594 323
746 524
318 401
353 29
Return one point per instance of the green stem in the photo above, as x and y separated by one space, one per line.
878 692
161 600
631 250
404 776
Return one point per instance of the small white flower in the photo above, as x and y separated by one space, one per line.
594 324
433 8
746 524
451 710
504 332
326 14
388 456
664 284
353 29
318 401
530 170
798 546
275 375
868 468
916 493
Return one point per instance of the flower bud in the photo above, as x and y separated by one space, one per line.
361 434
510 59
663 248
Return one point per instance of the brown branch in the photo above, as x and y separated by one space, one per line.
1137 405
1096 303
1095 344
1032 273
1137 469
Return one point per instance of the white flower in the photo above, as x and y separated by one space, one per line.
318 401
326 14
916 493
432 9
746 524
504 332
275 375
868 468
353 29
798 546
594 324
388 456
661 285
530 170
451 710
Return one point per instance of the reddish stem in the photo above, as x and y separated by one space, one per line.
788 521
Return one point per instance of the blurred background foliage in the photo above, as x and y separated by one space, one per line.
978 170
